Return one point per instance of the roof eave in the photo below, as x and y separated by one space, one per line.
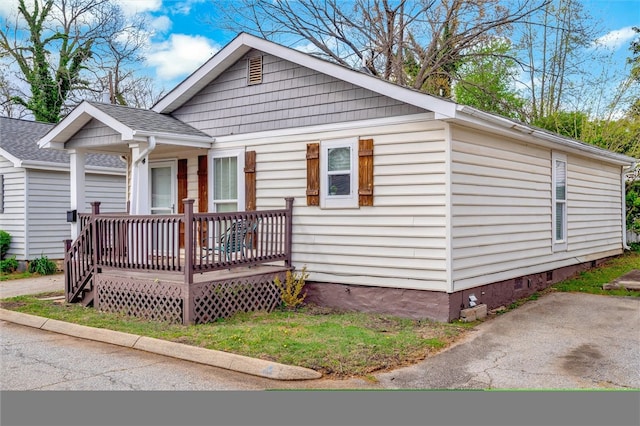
472 115
75 120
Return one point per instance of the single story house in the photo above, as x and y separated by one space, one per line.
35 189
403 202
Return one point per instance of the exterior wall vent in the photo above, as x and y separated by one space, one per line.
255 70
517 283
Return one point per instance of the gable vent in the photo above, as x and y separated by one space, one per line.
255 70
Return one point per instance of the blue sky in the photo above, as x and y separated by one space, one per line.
182 40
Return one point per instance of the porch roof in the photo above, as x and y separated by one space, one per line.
19 143
133 124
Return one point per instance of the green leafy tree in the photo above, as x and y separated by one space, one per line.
64 47
487 81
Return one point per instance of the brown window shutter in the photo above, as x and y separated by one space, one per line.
203 184
313 174
365 172
250 180
182 183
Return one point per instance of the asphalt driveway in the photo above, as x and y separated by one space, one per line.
560 341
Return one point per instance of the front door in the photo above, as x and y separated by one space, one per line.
163 183
163 187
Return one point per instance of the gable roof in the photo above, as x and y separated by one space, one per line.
19 144
244 43
131 123
443 109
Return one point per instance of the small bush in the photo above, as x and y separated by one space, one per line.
42 266
291 290
8 266
634 246
5 241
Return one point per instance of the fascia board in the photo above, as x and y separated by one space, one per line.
13 159
491 122
203 75
76 119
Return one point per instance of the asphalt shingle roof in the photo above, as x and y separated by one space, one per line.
147 120
20 139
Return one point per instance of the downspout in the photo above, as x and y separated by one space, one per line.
624 205
135 175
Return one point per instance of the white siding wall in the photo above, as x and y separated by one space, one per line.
594 207
399 242
12 220
501 204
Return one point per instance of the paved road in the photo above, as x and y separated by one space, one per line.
33 359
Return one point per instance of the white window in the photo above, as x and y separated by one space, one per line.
559 195
339 173
227 181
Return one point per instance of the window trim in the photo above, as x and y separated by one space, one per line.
239 154
559 244
338 201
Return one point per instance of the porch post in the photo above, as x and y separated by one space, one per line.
188 261
139 180
77 187
289 230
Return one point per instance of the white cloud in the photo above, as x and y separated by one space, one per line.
131 7
184 7
161 24
615 39
180 55
8 7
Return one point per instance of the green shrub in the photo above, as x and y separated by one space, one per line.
42 266
8 266
633 206
5 241
634 246
291 290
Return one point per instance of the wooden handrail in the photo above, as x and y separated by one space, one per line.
152 242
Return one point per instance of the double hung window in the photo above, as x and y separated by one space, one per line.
339 173
559 194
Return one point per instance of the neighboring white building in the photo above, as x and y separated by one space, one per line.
404 202
35 189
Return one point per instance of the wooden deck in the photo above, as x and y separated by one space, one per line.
115 264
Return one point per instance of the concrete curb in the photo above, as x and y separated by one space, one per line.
226 360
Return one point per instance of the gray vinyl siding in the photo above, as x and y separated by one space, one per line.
290 96
49 200
109 190
47 204
95 133
400 241
12 219
501 209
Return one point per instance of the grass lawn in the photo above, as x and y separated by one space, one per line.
338 344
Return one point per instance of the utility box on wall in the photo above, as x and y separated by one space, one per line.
72 216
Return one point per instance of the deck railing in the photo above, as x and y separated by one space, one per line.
208 242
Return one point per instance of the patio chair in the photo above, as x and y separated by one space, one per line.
238 237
